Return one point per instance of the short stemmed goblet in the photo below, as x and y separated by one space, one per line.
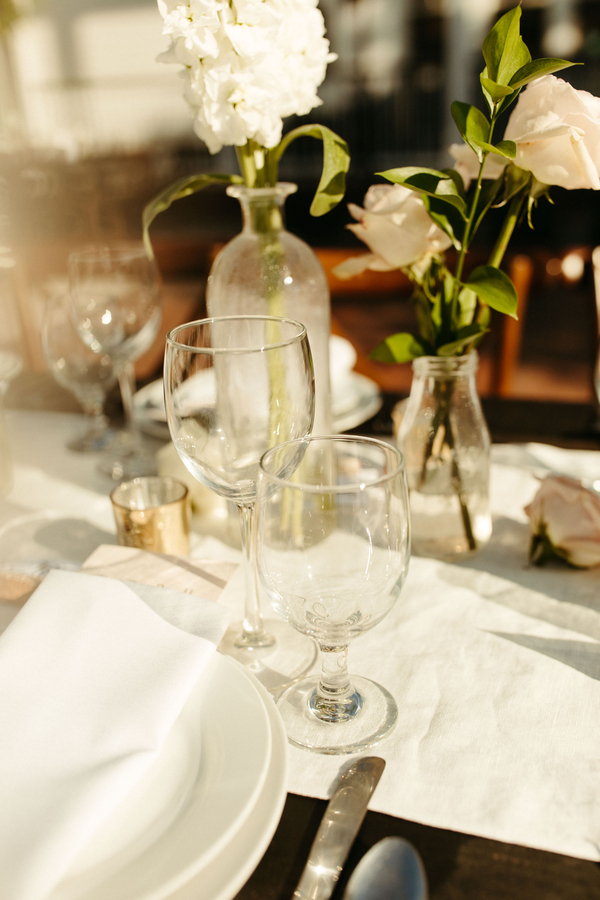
234 387
75 366
116 307
333 552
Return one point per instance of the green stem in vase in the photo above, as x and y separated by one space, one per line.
443 391
457 483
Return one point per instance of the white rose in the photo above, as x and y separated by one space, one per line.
397 229
467 163
557 132
565 521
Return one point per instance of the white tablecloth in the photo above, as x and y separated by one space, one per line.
495 665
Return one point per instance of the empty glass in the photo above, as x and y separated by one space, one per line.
117 310
235 386
333 551
77 367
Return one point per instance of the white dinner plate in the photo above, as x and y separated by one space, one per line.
223 878
355 399
191 803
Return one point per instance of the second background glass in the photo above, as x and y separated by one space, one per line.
235 387
116 304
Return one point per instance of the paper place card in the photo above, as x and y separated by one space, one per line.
202 578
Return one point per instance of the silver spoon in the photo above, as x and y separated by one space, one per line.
391 870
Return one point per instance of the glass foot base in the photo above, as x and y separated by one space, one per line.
280 664
375 715
134 464
92 441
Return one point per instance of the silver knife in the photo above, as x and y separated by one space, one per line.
340 824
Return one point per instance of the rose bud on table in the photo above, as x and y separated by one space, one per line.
565 523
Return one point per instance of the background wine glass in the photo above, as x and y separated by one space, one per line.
117 310
78 368
235 386
333 553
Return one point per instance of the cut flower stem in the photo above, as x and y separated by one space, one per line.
442 425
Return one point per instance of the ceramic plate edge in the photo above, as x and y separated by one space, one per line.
173 881
204 860
370 403
227 891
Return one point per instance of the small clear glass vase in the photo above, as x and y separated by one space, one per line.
265 270
446 444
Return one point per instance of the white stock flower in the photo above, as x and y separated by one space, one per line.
467 163
397 229
566 515
249 64
557 132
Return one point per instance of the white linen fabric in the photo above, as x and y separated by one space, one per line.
495 667
91 682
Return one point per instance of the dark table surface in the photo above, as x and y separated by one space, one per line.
459 866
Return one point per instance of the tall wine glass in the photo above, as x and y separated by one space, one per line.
235 386
75 366
334 546
116 303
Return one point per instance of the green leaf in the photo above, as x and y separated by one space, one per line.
446 217
430 182
504 50
483 78
467 304
464 340
538 67
458 182
402 347
495 288
191 184
496 92
514 180
507 149
483 316
336 162
483 320
536 191
423 311
473 126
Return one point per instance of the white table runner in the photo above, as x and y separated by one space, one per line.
495 667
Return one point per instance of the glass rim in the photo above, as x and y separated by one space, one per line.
171 340
334 488
147 479
108 250
280 189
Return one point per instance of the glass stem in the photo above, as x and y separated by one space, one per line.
335 680
94 412
127 386
253 633
334 699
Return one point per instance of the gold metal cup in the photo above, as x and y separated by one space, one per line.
153 513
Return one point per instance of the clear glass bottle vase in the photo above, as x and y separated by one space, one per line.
446 444
265 270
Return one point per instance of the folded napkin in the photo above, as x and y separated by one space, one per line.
92 680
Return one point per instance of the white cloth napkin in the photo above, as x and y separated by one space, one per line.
91 682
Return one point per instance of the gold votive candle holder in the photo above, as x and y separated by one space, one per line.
153 513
